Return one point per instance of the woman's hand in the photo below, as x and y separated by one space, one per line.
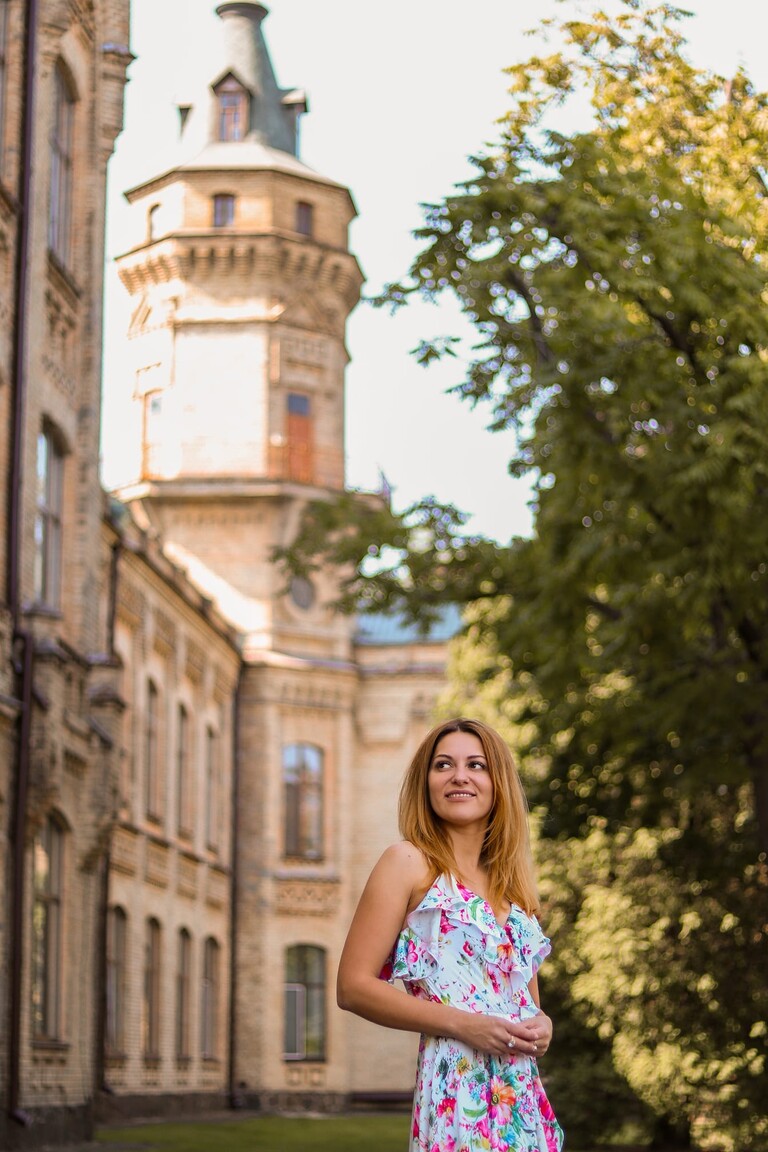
542 1024
502 1037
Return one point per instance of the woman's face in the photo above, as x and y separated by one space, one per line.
459 782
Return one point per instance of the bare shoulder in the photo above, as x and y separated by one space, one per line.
406 866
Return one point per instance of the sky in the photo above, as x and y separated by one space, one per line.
400 95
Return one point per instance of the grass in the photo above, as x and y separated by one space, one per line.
265 1134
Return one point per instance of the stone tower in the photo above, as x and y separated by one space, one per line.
243 281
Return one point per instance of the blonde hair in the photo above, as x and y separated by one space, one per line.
506 851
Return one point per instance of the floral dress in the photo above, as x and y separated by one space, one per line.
453 950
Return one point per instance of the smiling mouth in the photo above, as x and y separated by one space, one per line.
460 796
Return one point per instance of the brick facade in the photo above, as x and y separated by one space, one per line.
198 767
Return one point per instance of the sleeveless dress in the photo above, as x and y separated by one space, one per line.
453 950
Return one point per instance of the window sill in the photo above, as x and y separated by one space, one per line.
63 280
46 1044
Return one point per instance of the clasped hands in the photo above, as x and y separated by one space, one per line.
502 1037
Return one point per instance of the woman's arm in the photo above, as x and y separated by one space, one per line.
399 875
541 1024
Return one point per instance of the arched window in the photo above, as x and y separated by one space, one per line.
223 210
303 801
233 109
211 999
48 518
305 968
47 929
117 942
61 159
150 1023
183 996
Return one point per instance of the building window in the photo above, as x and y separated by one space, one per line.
301 446
184 996
303 798
233 110
50 489
150 1023
152 222
4 6
211 789
117 941
152 753
211 995
62 127
183 774
304 218
48 876
223 211
304 1003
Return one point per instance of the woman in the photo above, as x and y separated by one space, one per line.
450 912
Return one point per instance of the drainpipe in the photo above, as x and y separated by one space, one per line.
99 1064
235 1095
23 640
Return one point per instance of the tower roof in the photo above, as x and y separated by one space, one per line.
238 60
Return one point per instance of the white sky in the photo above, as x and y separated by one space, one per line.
400 94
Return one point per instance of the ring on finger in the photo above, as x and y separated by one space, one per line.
511 1043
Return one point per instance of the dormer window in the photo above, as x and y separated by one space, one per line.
233 109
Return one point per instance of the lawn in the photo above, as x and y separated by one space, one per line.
265 1134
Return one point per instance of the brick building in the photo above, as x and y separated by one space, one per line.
199 766
62 72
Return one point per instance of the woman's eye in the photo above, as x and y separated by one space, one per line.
477 766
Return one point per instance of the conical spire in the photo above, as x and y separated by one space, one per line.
241 100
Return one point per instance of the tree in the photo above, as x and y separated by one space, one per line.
617 281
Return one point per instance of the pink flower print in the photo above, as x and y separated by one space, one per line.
482 1128
412 952
447 1106
501 1100
467 948
465 892
445 924
494 981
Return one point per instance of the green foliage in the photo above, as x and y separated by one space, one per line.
617 280
269 1134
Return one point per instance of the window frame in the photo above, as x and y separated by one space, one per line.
233 119
212 788
224 210
305 218
308 996
152 743
47 953
4 11
184 761
49 515
116 980
211 993
61 149
184 996
150 1022
303 801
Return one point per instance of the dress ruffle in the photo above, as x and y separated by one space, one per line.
517 946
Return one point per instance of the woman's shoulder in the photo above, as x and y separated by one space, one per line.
405 857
